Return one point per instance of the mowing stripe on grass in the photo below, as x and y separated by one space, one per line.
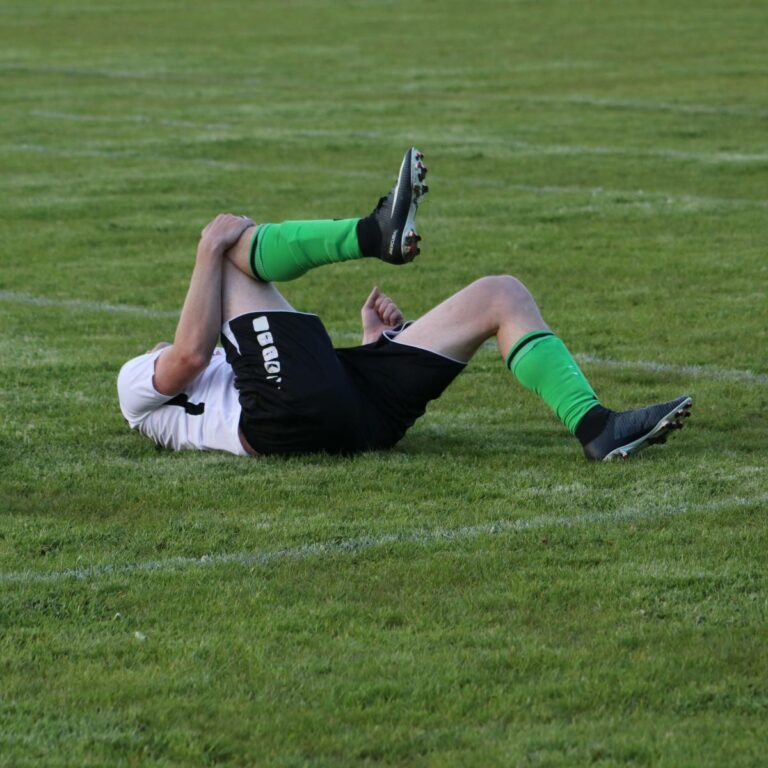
646 106
662 200
576 99
419 536
517 147
140 119
693 371
619 196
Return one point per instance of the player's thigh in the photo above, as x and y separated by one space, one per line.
498 305
241 294
455 328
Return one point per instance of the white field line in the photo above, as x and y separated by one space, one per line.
435 138
693 371
79 304
418 536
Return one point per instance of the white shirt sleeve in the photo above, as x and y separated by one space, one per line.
135 390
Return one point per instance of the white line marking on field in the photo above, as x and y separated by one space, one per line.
693 371
351 546
80 304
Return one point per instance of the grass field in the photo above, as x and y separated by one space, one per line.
480 595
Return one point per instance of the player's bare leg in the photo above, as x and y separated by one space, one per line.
240 293
504 308
239 253
499 306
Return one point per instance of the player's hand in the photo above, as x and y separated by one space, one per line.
378 314
223 232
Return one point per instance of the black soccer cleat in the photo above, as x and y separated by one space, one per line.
396 213
628 432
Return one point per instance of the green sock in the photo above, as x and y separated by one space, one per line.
288 250
543 364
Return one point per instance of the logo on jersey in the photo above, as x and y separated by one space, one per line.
268 349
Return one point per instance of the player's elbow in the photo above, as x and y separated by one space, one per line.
176 369
192 362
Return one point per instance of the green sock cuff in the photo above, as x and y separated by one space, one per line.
252 255
522 342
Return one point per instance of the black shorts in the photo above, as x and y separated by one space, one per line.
300 395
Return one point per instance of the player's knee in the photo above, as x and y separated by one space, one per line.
503 289
241 249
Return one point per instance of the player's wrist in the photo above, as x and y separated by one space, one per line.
207 250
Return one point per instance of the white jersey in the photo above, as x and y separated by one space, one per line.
205 417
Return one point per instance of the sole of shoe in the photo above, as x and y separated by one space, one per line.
669 422
409 190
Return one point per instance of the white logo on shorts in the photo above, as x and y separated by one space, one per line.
268 349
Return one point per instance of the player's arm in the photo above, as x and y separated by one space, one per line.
378 314
200 321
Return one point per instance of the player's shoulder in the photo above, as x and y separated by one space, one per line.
135 389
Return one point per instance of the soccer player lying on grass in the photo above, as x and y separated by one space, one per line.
280 387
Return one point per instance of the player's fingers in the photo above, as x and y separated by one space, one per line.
216 221
388 311
370 302
384 302
243 222
393 315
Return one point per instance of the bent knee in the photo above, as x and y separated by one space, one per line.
240 253
501 287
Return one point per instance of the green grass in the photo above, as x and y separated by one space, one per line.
479 595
